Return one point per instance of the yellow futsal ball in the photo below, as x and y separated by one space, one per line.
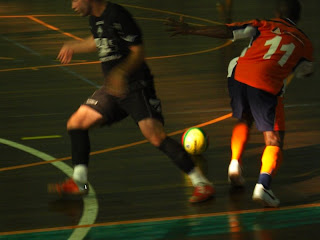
195 141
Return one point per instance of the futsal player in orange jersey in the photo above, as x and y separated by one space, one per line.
277 49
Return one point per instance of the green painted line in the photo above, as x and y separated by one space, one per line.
90 202
41 137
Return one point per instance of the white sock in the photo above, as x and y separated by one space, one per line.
234 163
197 177
80 173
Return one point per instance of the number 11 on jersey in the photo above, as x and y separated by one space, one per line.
274 45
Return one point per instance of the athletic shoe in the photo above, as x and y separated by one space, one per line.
69 187
202 192
264 196
235 174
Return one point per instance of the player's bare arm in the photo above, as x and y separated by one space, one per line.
76 46
180 27
116 81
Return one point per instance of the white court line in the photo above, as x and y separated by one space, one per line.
90 202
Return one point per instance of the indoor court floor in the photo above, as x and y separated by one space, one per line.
136 192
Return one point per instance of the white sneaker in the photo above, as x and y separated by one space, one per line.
235 174
264 196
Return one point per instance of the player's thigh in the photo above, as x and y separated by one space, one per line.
238 100
263 108
142 104
145 108
108 106
84 118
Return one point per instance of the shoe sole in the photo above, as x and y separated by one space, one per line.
234 181
264 203
53 190
200 201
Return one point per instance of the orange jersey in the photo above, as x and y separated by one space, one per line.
276 49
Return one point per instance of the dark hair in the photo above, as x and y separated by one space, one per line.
289 8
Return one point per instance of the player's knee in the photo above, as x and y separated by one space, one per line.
156 140
84 118
273 140
77 121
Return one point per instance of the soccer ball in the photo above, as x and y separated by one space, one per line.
195 141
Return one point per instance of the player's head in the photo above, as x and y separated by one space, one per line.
288 9
82 7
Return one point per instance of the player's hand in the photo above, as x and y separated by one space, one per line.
116 83
177 27
65 54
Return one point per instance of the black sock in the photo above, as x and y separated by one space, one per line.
177 154
80 146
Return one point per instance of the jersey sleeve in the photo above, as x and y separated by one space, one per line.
243 30
304 69
127 28
305 66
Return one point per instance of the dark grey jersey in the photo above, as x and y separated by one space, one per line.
114 32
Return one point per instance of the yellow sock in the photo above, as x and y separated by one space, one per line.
271 159
239 139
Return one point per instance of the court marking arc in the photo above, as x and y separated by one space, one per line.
90 203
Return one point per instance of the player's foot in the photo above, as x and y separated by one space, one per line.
202 192
264 196
235 174
69 187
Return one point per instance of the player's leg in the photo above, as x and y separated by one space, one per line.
279 125
264 107
274 140
241 130
97 110
78 124
239 139
145 109
153 130
78 128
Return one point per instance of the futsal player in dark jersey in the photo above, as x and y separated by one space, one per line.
277 49
128 90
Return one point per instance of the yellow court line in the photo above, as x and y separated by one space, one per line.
171 13
35 19
39 15
113 148
148 220
6 58
228 42
41 137
53 28
48 66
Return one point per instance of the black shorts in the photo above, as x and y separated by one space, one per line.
253 102
139 104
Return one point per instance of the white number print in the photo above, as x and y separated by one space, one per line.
274 44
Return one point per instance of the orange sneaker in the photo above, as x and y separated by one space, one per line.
201 193
69 187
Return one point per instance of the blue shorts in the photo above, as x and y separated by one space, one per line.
253 102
